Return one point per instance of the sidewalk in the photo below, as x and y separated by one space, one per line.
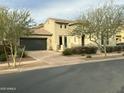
59 60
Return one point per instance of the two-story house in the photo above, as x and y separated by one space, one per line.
54 34
61 34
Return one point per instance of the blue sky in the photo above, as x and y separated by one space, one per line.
43 9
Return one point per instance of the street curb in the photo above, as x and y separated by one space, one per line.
107 59
17 70
25 62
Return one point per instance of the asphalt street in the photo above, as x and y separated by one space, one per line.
100 77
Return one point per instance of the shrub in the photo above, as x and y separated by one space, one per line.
82 54
77 50
84 50
91 50
67 52
110 49
2 49
19 53
89 56
3 57
117 48
80 50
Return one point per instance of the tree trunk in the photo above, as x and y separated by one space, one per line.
105 51
13 54
21 55
98 45
14 61
5 51
104 46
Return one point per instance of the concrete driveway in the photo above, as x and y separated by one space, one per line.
52 57
57 59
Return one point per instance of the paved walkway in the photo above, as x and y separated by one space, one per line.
56 58
42 55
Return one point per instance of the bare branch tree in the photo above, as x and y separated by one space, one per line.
101 24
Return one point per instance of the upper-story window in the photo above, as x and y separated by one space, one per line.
63 26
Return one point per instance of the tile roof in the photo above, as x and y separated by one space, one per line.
85 23
41 31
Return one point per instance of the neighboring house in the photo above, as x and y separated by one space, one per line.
120 37
55 35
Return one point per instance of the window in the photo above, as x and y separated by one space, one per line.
60 40
65 26
118 35
60 25
82 40
117 39
65 41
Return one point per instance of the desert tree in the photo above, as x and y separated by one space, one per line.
3 23
14 24
19 25
101 24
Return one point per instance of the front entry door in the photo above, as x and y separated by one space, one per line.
65 41
82 40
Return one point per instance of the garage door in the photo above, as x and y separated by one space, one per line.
34 43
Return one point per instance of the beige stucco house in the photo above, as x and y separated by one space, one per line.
55 35
61 37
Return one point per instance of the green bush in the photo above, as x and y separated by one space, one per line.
67 52
3 57
89 56
91 50
110 49
19 53
77 50
2 49
119 48
80 50
84 50
82 54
